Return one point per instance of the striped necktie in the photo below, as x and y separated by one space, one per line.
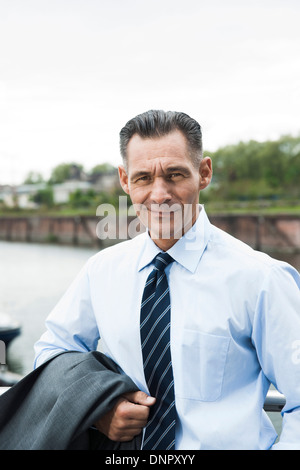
155 340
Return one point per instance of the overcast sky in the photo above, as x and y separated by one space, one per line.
73 72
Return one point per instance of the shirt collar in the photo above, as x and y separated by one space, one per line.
187 251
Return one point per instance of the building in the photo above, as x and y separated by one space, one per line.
21 196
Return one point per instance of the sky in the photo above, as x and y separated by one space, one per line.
73 72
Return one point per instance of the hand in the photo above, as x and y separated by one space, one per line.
127 418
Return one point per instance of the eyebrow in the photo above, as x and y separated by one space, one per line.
178 168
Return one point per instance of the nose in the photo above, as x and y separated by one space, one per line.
160 191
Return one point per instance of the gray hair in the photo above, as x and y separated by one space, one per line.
157 123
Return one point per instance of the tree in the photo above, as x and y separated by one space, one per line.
102 168
33 177
64 172
252 170
82 199
44 197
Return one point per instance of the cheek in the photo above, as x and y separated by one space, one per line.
137 195
189 193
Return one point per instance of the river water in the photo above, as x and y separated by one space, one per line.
33 277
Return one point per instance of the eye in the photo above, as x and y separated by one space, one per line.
140 179
173 176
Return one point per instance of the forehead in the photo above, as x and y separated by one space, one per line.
172 145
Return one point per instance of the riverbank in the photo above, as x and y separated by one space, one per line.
266 232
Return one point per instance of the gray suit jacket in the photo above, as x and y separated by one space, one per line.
55 406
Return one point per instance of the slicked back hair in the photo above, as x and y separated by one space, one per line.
158 123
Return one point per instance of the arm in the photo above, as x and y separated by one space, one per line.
276 334
71 325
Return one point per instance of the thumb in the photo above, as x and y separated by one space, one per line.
140 398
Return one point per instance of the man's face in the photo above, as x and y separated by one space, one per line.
164 185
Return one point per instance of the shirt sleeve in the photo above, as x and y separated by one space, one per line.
71 326
276 336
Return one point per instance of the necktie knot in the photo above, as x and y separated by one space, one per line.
162 260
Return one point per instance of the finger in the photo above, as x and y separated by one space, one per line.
140 398
133 411
123 435
128 436
133 425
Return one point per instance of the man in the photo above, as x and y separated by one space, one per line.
233 314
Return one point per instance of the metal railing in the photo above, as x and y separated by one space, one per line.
275 401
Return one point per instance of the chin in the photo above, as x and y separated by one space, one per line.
165 232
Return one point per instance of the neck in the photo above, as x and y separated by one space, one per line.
165 244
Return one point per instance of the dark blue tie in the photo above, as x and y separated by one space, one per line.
155 340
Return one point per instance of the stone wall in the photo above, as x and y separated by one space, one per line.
281 232
266 233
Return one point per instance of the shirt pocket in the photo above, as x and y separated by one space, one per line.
203 362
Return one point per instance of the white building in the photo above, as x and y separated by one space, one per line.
61 192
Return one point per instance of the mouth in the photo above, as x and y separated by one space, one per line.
162 213
164 209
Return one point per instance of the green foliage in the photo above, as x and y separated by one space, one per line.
82 199
33 178
102 168
257 170
79 199
112 197
44 197
64 171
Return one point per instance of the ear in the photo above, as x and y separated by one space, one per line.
205 171
123 179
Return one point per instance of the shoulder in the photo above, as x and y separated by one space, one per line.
248 269
231 248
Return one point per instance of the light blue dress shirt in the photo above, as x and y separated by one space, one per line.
235 328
